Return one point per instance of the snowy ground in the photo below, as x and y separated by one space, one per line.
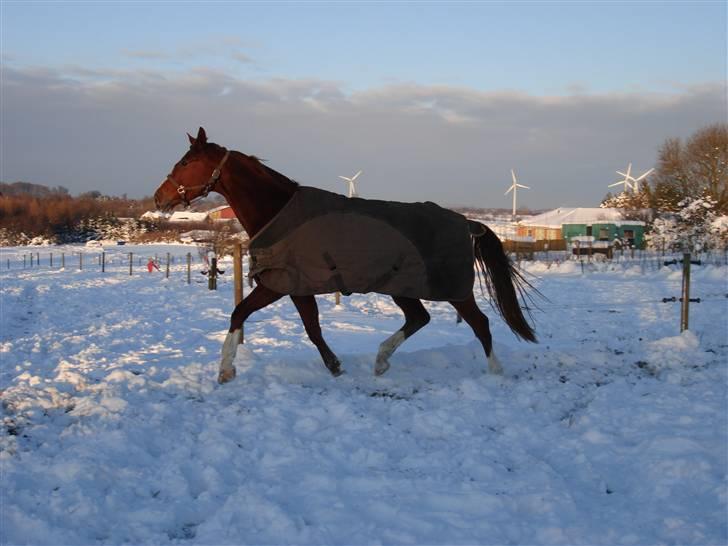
612 430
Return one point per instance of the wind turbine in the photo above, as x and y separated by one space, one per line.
352 185
514 189
629 180
626 181
636 181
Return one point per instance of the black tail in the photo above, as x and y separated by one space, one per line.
502 280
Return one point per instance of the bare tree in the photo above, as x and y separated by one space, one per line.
693 169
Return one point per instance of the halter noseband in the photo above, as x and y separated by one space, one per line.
206 188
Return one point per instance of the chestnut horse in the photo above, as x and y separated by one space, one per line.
257 193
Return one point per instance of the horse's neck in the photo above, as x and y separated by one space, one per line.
254 192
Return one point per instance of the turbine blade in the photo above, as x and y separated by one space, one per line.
509 190
345 178
522 186
640 177
513 175
355 176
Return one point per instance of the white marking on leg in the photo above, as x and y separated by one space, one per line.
386 349
494 365
229 349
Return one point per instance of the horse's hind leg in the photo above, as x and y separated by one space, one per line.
477 320
415 317
308 309
257 299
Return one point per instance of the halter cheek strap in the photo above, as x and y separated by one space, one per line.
206 188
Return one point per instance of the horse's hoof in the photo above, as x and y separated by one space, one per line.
494 365
381 366
226 375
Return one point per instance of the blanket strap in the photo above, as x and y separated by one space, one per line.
337 278
386 277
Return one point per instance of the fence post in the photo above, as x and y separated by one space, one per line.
51 259
212 275
684 308
63 260
31 260
103 262
166 275
189 268
8 263
37 259
80 261
238 279
131 262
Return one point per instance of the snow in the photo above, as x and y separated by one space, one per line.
611 430
188 216
580 215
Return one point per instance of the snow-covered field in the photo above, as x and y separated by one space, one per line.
612 430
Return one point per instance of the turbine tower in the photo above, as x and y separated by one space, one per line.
514 188
352 185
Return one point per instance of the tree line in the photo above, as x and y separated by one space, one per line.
685 202
28 211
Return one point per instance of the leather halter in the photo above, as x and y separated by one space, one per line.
206 188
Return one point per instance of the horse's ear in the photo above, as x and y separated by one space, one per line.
201 136
192 139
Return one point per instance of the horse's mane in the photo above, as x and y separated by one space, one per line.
273 175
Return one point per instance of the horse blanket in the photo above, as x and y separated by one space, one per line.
322 242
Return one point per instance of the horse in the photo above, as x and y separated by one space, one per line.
263 198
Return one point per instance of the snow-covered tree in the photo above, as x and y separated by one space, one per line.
692 228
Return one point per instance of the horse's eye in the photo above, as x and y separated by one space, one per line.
183 162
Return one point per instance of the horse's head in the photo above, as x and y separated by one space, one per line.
194 176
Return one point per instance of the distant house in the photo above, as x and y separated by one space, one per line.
222 213
154 215
185 216
573 223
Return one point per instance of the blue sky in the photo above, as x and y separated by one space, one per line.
403 55
535 47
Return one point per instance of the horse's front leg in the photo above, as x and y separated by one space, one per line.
308 309
257 299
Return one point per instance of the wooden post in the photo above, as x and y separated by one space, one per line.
238 279
51 259
189 268
212 275
166 275
63 260
31 260
37 259
684 308
131 262
337 298
80 260
103 262
238 272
